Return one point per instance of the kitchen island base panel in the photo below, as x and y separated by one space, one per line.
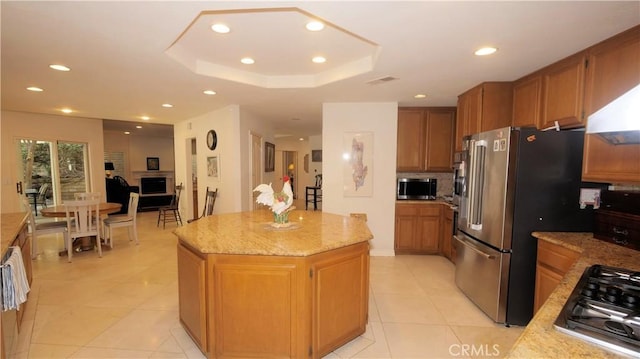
241 306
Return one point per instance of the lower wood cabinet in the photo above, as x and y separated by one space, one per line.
553 262
254 306
446 238
417 228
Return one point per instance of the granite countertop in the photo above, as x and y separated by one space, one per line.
10 226
251 233
540 339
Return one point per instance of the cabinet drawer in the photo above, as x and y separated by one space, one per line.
406 210
430 210
556 257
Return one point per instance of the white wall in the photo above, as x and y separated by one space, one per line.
381 119
16 125
226 124
251 123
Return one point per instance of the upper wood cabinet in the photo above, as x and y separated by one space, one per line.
563 84
527 101
614 68
485 107
425 137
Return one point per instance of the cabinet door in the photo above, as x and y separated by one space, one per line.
546 282
474 111
563 92
429 229
406 228
191 295
496 106
340 290
411 134
614 68
447 230
527 96
460 119
440 126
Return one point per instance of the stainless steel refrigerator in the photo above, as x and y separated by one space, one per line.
517 180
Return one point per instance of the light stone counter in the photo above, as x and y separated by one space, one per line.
540 339
10 226
250 233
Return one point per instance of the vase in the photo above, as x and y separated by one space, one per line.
281 218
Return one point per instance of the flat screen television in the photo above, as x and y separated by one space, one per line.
153 185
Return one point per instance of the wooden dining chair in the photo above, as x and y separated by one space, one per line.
171 213
41 229
81 222
313 194
209 202
123 220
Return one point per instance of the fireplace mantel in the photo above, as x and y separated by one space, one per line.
139 174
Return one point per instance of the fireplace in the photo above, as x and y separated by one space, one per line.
153 185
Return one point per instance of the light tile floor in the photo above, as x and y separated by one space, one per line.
125 305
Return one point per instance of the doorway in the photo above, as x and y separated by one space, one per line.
290 168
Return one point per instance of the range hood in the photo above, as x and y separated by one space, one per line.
619 121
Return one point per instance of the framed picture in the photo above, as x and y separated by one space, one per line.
153 164
269 157
358 164
213 166
316 155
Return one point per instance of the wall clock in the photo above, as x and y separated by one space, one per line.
212 139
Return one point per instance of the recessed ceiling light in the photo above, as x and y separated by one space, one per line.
315 26
247 61
167 105
485 51
35 89
420 95
220 28
127 132
209 92
59 67
66 110
138 127
145 118
319 60
301 139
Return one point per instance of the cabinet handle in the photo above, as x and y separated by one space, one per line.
624 232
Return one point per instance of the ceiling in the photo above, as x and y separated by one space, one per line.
129 58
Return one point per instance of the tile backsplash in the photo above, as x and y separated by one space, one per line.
445 181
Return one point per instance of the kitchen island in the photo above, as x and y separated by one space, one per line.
540 339
248 289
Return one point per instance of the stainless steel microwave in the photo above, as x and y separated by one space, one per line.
417 188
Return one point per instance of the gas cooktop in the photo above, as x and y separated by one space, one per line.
604 309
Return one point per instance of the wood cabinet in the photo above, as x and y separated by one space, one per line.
527 101
425 137
417 228
485 107
446 238
14 233
192 295
563 92
273 306
614 68
552 264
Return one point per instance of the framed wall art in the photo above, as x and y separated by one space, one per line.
213 166
153 164
357 175
269 157
316 155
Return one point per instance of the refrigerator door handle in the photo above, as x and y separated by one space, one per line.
473 248
478 150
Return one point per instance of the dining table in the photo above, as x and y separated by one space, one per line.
60 212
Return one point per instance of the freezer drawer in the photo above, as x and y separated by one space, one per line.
482 274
